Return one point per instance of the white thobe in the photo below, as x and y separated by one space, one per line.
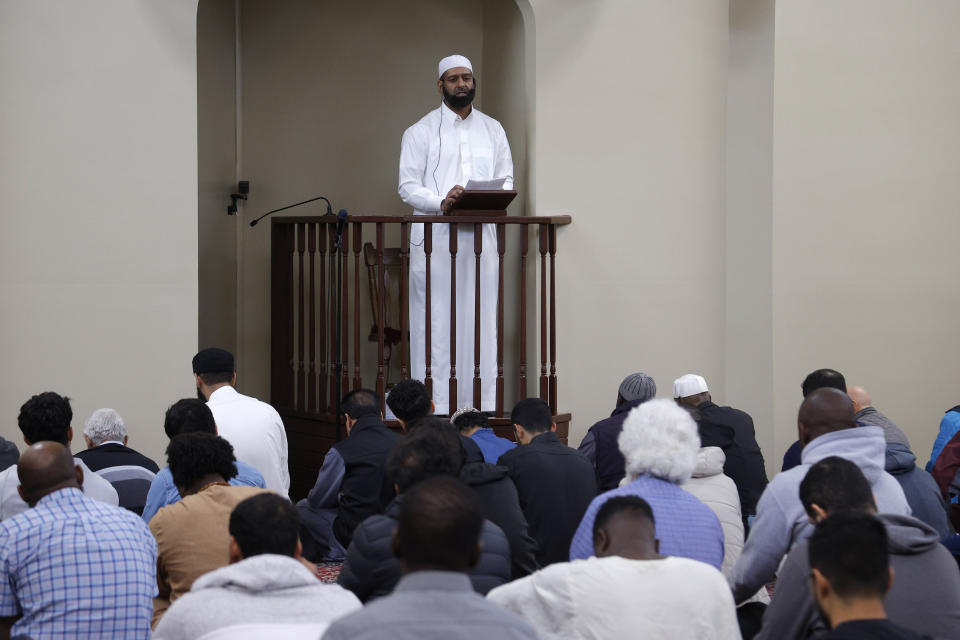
616 597
438 152
255 430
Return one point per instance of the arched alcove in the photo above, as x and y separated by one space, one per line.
311 98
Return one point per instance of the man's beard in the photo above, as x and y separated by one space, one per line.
200 395
459 102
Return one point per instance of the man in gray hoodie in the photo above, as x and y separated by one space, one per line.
826 427
266 581
925 595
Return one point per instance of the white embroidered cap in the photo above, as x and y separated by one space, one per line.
451 62
689 385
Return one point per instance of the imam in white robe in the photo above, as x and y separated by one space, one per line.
441 151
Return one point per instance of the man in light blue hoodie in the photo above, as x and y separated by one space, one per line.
826 427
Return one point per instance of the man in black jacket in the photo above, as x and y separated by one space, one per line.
555 483
600 444
731 430
411 404
370 569
350 486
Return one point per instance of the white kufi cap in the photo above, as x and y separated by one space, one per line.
689 385
452 62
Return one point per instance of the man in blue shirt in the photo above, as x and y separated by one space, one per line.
474 424
72 567
187 416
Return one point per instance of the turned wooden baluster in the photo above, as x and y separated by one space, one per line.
322 356
544 245
427 250
332 328
477 250
381 380
501 247
553 320
452 390
522 290
344 315
404 293
312 351
357 250
301 315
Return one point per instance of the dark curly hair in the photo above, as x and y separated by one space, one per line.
194 455
409 400
46 416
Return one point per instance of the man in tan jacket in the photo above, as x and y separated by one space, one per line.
193 535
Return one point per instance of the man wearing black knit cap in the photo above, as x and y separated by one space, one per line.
600 443
254 428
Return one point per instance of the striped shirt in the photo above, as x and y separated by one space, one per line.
685 526
73 567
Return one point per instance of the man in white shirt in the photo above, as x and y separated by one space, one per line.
47 416
627 590
438 156
254 428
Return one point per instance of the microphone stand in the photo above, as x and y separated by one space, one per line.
291 206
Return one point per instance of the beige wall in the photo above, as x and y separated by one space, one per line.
98 187
749 290
629 138
217 146
865 204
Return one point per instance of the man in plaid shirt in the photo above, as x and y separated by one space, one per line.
72 567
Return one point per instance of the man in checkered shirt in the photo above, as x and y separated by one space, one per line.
72 567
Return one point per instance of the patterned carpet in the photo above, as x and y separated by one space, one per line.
328 572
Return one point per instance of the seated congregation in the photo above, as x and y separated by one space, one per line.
661 525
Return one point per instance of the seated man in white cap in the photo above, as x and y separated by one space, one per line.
439 154
731 430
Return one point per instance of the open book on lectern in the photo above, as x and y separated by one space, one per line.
483 198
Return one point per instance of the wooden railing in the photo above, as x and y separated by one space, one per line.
304 374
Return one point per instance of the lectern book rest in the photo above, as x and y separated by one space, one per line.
482 202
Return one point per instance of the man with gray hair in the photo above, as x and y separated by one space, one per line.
600 443
660 444
129 471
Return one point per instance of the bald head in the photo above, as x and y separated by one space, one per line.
861 399
824 411
44 468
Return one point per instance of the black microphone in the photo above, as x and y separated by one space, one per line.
341 221
329 209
